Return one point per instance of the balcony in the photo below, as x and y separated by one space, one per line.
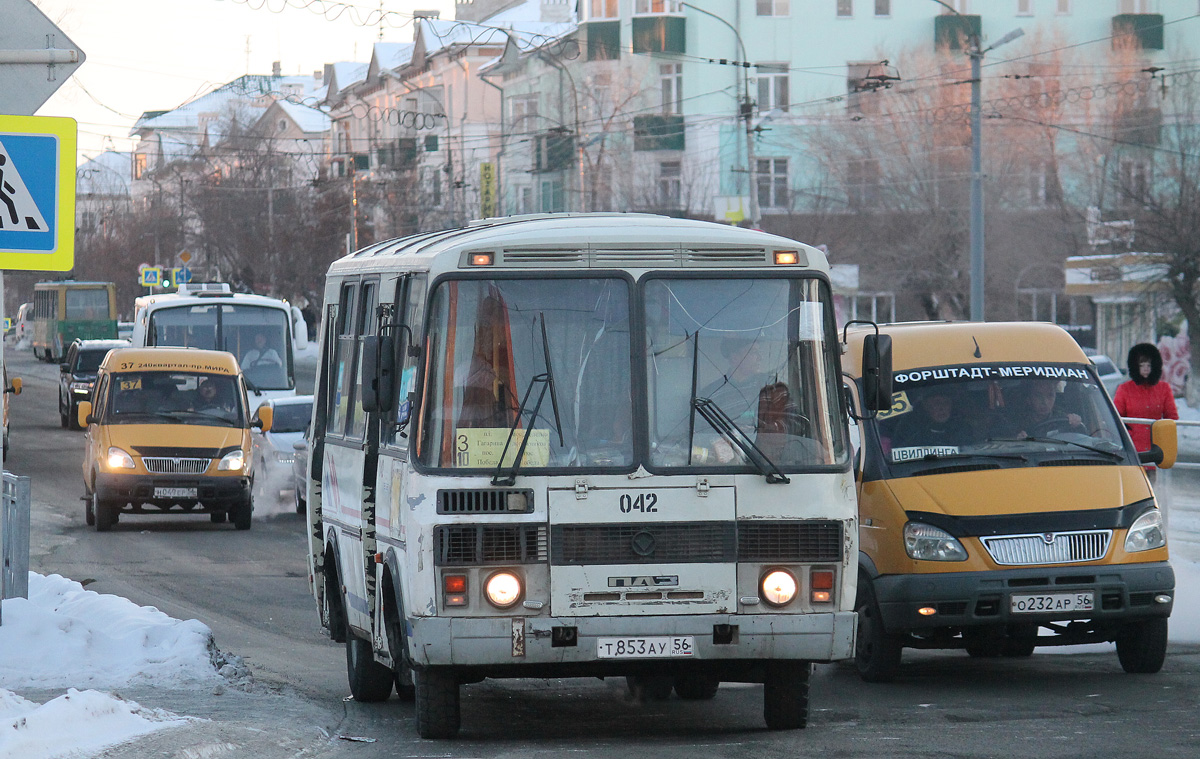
553 150
659 34
1146 28
658 131
603 40
952 32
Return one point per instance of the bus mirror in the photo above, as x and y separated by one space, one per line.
877 372
378 372
370 370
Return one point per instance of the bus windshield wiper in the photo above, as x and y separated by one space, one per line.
985 455
546 378
727 428
1112 454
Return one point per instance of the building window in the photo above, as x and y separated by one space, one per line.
521 108
139 165
434 176
670 77
1134 177
774 7
1063 7
598 9
862 189
1043 185
1137 6
772 87
655 7
1024 7
883 7
845 8
526 200
553 200
958 6
670 184
772 179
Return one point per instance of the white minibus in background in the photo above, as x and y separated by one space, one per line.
588 445
262 332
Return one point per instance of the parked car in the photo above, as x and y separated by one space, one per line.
273 452
1110 375
77 376
300 474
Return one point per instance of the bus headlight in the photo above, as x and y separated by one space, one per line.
1145 533
232 461
503 589
778 587
118 459
929 543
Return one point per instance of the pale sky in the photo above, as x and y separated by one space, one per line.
151 55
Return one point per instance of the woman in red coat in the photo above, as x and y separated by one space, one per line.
1144 396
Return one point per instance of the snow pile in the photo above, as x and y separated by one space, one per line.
65 636
76 723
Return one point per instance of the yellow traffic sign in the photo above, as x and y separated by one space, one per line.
37 193
150 276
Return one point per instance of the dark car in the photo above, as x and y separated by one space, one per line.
77 375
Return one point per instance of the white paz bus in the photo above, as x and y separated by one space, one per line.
583 445
262 332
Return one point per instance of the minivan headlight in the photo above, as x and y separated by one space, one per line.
232 461
118 459
929 543
1146 533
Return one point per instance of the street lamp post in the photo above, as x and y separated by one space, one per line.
745 112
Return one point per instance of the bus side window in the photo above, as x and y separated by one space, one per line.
410 302
364 325
341 370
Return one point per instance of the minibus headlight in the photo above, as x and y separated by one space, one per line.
929 543
503 589
778 587
118 459
1145 533
232 461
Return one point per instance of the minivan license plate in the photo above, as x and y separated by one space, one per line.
1040 603
663 646
175 492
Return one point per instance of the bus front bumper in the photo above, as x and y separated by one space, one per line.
727 644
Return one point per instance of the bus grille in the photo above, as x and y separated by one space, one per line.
460 545
657 543
790 541
164 465
1048 548
484 502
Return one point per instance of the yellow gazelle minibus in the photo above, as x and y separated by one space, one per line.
1002 504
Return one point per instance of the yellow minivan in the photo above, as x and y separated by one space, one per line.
168 432
1002 505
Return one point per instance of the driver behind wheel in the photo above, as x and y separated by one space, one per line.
1041 419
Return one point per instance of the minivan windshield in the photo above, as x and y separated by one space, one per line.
1013 414
174 398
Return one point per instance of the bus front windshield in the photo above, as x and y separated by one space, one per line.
1002 415
256 335
511 359
742 372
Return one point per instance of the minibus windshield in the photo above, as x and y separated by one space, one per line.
759 353
486 350
1015 414
175 398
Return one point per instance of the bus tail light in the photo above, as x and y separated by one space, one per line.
456 589
821 583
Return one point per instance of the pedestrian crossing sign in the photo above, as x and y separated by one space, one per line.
37 193
150 276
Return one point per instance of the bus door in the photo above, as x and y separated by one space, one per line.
348 493
401 320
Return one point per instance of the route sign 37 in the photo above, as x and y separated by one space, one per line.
37 193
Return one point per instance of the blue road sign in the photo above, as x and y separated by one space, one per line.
37 193
185 276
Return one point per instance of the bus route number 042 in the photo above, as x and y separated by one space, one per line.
646 503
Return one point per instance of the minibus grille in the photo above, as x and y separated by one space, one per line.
790 541
484 501
656 543
1048 548
165 465
461 545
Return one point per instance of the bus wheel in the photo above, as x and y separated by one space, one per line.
876 653
240 514
398 648
437 702
649 687
785 695
696 687
1142 646
73 416
105 513
89 512
370 681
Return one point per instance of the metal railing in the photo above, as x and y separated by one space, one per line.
14 538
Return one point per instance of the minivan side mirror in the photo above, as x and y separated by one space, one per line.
64 367
263 418
877 372
1164 445
83 414
14 386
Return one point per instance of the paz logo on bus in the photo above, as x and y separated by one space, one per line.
644 581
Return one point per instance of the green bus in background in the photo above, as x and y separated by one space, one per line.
66 310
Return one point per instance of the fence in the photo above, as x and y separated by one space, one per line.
14 538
